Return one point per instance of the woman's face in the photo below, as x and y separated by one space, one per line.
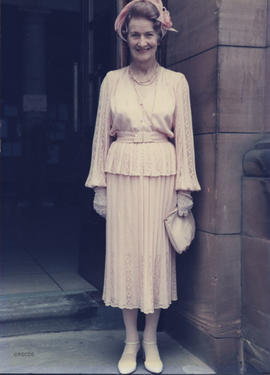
142 40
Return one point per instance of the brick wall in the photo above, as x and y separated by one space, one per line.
221 48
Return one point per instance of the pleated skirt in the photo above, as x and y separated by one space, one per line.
140 264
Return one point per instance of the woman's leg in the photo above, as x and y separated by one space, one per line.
152 362
130 321
127 363
151 323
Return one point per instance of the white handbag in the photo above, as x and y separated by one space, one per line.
180 230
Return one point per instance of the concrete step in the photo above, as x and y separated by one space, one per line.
87 352
55 312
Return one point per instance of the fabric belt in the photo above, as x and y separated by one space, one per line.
141 137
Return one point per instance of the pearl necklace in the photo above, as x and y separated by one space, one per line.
147 82
141 100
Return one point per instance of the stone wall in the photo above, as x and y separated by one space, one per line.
256 256
221 48
256 241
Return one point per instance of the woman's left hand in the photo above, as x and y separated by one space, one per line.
184 202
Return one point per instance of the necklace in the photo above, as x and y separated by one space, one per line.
148 81
141 100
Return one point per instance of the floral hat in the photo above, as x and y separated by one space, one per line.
164 18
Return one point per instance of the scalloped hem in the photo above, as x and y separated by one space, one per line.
151 311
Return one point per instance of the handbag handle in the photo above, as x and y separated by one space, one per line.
171 213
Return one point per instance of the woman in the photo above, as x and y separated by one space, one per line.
141 175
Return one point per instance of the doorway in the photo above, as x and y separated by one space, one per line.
54 55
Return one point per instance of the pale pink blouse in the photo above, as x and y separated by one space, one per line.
165 112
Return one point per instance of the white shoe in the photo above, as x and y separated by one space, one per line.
128 361
152 361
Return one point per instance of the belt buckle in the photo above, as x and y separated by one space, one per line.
139 137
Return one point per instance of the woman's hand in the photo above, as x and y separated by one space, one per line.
184 202
100 201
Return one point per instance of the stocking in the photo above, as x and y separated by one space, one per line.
152 359
127 363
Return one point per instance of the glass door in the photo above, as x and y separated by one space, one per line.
99 51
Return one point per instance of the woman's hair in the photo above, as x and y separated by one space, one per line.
143 9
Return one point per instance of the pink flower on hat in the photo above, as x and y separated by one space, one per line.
165 19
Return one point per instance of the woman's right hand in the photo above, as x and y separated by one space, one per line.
100 201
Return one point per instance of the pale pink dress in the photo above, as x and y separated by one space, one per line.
142 171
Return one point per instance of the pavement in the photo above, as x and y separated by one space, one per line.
87 352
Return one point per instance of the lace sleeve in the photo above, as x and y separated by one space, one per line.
101 140
186 177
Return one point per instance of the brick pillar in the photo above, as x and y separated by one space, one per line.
221 48
256 256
